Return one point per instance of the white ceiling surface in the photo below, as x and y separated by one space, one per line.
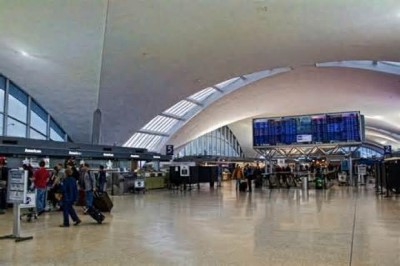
63 41
305 90
157 53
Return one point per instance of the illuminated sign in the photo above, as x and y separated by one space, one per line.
33 151
108 154
156 157
304 138
74 153
135 156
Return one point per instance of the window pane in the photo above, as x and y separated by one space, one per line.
2 90
38 123
38 118
55 136
15 128
1 124
36 135
17 102
56 133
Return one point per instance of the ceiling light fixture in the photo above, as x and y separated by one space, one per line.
23 53
377 117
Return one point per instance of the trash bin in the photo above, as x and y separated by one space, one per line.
319 182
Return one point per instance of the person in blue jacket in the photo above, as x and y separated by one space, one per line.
70 195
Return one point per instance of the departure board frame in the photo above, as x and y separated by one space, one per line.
317 129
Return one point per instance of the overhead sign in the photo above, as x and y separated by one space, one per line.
387 150
304 138
74 153
156 157
108 154
33 151
17 186
135 156
169 150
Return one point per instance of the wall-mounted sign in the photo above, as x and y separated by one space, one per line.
108 154
33 151
185 170
135 156
74 153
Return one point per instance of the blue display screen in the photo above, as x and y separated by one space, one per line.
325 128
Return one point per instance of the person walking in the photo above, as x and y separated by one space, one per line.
248 174
40 178
102 179
238 175
90 186
69 191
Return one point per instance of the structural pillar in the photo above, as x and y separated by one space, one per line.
351 171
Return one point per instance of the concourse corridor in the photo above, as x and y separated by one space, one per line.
339 226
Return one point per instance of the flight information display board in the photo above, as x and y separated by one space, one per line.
310 129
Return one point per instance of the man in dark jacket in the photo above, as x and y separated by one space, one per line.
70 195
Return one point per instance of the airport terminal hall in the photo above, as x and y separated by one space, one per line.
202 132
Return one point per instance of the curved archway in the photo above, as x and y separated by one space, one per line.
154 135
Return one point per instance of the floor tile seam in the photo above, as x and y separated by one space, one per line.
353 231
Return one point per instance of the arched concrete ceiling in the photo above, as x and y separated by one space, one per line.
305 90
52 49
154 53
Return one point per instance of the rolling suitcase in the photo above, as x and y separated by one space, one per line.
102 202
243 186
3 198
96 215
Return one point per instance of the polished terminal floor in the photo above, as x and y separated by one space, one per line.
339 226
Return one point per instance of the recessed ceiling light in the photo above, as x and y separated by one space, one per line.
24 54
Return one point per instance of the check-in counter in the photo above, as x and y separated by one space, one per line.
155 180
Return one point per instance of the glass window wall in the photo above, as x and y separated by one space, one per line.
17 115
220 142
17 103
15 128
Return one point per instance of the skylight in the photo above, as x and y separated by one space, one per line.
161 124
203 94
181 108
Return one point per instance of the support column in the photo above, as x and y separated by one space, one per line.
96 127
351 171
